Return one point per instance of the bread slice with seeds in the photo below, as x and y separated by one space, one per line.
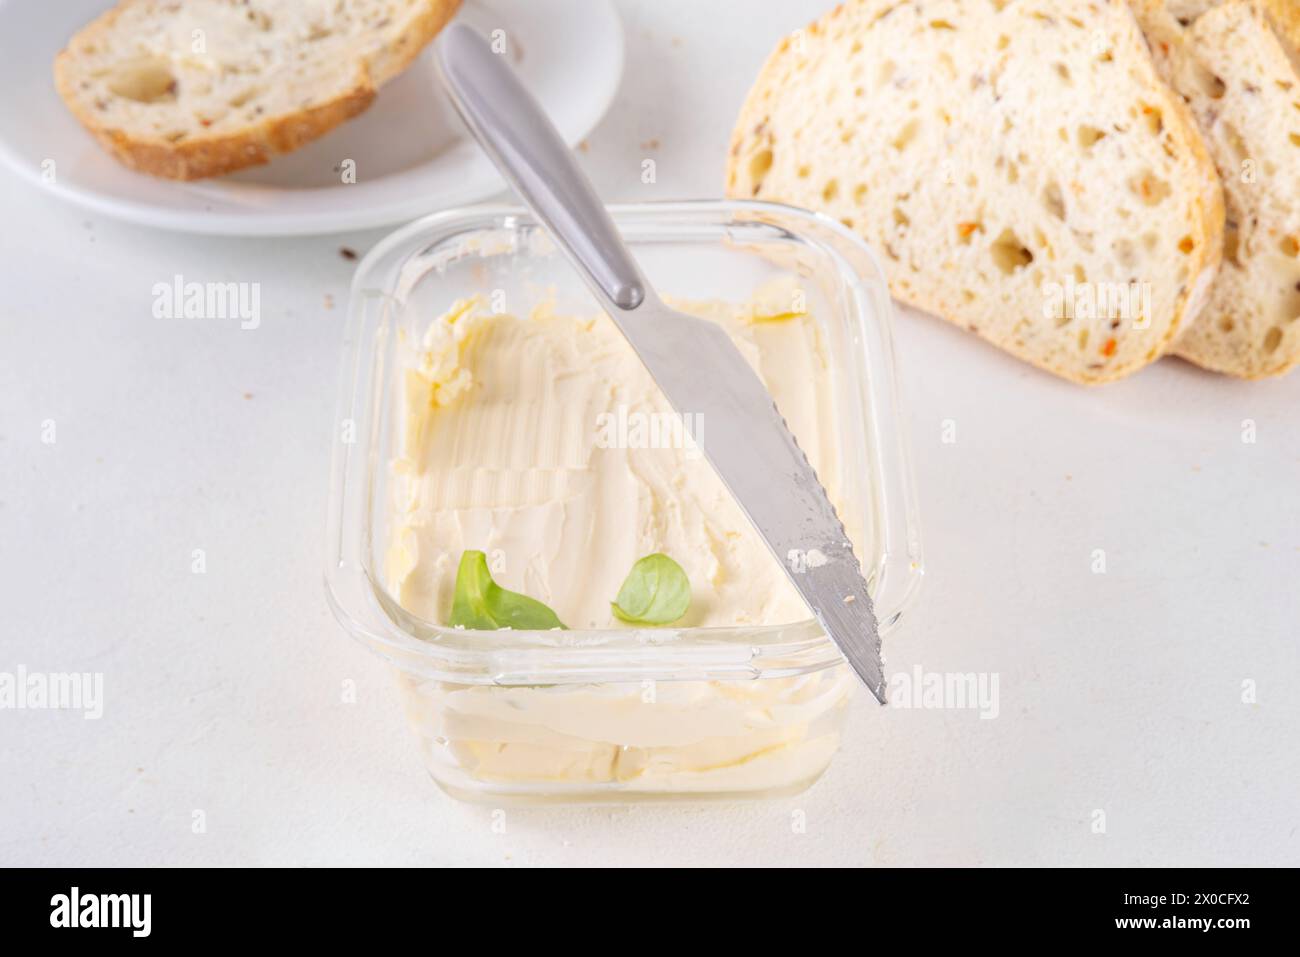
1245 93
1019 165
205 87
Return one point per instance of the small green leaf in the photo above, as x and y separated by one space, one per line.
483 604
656 592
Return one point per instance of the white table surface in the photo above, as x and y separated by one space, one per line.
1120 692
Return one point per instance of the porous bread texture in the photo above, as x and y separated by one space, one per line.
1018 164
205 87
1245 93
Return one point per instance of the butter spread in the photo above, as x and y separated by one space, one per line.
543 442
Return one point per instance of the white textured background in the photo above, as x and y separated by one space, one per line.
1120 692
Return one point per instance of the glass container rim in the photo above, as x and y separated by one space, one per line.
362 604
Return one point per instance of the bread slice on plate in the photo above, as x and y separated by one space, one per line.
1019 165
1245 93
205 87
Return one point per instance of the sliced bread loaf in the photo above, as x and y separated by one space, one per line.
1245 93
206 87
1019 165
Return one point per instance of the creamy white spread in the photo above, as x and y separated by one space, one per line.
527 439
543 441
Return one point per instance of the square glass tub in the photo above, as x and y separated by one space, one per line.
626 714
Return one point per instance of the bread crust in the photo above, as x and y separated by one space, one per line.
215 154
1285 17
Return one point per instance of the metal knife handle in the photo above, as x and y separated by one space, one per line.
511 127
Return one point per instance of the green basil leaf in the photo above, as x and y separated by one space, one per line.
656 592
483 604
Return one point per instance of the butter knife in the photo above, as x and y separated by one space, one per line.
692 360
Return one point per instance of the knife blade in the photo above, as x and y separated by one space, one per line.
693 361
745 438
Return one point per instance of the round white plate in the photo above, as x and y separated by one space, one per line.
411 153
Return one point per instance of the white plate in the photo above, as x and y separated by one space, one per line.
412 156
